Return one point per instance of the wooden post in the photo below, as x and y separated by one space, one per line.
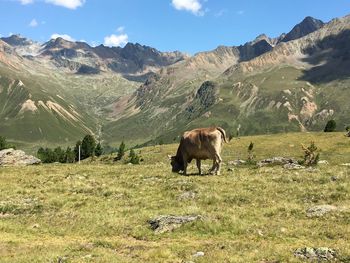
79 155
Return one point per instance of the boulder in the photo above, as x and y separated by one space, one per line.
11 157
167 223
319 254
320 210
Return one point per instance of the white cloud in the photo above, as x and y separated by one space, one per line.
33 23
116 40
64 36
71 4
193 6
26 2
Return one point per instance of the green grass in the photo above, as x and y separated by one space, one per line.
97 212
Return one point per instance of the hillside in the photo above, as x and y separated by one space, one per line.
99 213
56 92
294 85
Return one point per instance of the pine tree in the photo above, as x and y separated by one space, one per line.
330 126
70 155
98 150
88 146
121 151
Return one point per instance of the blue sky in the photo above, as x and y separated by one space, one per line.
186 25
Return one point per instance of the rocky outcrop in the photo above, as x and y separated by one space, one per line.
276 161
11 157
167 223
317 254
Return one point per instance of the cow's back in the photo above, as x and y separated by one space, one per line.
201 143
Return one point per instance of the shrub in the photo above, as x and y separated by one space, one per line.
330 126
134 158
251 156
310 156
3 143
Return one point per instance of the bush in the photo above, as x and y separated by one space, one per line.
3 143
310 156
330 126
251 156
134 158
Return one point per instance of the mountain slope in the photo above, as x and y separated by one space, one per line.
295 85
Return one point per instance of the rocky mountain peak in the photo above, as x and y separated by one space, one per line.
305 27
17 40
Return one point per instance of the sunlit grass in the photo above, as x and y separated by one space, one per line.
98 212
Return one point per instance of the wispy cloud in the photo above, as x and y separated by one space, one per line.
26 2
116 40
120 29
71 4
220 13
33 23
193 6
64 36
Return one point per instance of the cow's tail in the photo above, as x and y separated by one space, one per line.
223 133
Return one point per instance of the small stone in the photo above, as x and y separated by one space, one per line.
187 195
320 210
35 226
236 162
293 166
167 223
323 162
345 164
199 254
334 178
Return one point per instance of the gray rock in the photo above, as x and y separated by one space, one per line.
167 223
323 162
319 254
11 157
187 195
293 166
199 254
276 161
236 162
320 210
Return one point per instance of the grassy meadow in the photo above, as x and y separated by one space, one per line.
98 212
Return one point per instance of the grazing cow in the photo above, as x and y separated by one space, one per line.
199 144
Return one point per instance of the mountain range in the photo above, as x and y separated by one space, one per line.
59 90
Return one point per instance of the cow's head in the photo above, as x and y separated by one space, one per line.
177 165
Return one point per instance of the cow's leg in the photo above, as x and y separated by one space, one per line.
198 161
212 169
218 163
185 167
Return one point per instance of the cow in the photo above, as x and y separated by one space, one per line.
199 144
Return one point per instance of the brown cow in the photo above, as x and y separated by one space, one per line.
199 144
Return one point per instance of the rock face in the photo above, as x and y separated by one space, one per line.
11 157
319 254
167 223
320 210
